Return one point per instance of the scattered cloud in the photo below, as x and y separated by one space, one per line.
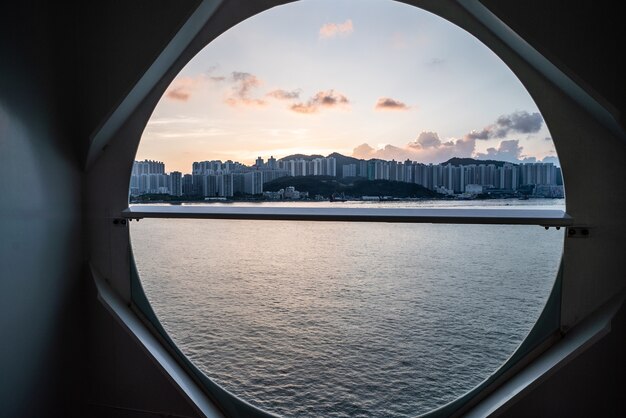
522 122
364 151
388 152
324 99
509 150
426 140
517 122
182 88
304 108
386 103
552 159
179 94
330 30
242 86
428 148
284 94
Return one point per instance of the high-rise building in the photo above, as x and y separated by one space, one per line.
213 178
269 175
362 169
300 167
227 183
148 176
253 182
198 185
187 187
348 170
209 186
331 166
176 183
206 167
314 167
148 167
238 183
271 163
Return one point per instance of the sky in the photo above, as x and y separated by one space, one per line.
365 78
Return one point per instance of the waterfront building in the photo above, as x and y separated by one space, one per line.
187 185
150 177
270 175
348 170
227 185
362 169
176 183
271 163
253 182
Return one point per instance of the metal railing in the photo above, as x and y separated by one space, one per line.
542 217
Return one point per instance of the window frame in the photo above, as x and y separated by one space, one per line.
113 146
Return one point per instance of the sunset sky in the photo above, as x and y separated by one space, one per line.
367 78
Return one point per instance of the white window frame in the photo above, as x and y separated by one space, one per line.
576 297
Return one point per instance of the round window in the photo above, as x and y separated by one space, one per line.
346 104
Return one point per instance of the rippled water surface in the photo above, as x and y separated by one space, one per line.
329 319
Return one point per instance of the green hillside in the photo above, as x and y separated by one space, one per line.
326 185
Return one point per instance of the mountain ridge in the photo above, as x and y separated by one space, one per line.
345 159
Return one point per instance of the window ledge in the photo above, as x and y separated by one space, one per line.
574 343
128 319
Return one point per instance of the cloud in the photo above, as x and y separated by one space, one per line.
303 108
242 85
179 94
517 122
364 151
426 140
386 103
284 94
388 152
427 148
324 99
330 30
551 159
182 88
509 150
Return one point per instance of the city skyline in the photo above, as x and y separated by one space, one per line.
217 179
369 79
266 158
